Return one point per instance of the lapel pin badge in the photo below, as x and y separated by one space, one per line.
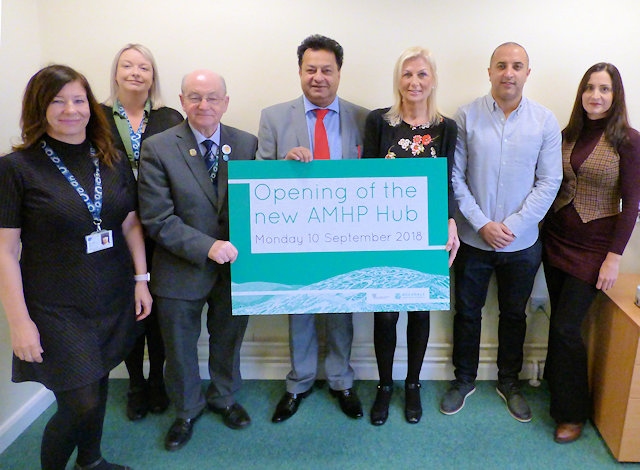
226 150
193 152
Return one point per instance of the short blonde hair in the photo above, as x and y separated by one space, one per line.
154 91
394 115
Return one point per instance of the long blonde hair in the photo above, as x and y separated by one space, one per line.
394 115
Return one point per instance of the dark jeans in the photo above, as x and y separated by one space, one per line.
566 365
515 273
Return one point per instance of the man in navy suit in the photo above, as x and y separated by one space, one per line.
183 205
288 131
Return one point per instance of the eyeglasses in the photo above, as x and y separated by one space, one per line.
197 99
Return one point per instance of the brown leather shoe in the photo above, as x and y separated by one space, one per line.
567 432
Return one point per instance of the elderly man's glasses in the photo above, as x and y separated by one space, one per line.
197 99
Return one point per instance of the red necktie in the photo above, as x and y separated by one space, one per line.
320 142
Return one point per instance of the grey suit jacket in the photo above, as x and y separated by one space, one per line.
182 212
284 126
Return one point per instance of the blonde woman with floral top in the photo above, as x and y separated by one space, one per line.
411 128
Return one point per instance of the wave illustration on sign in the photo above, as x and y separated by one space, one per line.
384 288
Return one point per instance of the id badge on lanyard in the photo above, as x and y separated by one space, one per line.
100 239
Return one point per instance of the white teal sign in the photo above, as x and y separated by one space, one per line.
339 236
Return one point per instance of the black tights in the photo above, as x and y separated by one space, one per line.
135 359
384 341
77 423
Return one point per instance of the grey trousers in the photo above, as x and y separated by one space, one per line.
181 324
303 346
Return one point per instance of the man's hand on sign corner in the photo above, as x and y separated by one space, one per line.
301 154
223 251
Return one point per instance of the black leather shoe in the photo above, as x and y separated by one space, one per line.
380 408
349 402
180 432
288 405
412 403
137 403
234 416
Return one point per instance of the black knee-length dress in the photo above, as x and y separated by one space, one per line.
82 304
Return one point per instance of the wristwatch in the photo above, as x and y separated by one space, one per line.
142 277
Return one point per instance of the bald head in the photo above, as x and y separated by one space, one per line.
200 76
204 100
511 45
508 72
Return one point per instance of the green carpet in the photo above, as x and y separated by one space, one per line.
482 435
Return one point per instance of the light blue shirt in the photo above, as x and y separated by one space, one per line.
215 137
505 170
331 125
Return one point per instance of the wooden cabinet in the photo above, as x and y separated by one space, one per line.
613 342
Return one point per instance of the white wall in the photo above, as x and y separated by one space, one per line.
20 54
253 44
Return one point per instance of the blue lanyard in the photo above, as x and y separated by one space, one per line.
95 206
135 136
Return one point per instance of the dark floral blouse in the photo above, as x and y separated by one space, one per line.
382 140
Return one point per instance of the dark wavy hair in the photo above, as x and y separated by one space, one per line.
40 92
318 42
617 129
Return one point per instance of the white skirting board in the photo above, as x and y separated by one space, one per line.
22 418
270 361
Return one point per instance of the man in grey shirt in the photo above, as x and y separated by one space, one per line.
507 171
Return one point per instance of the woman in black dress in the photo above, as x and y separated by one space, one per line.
135 111
71 256
411 128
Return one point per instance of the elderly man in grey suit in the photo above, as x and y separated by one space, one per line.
183 206
316 125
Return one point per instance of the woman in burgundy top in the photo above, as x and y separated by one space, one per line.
585 233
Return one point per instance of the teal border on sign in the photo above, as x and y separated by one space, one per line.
338 282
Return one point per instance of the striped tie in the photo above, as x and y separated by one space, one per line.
210 159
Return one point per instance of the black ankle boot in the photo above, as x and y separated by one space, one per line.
101 464
380 408
412 404
158 399
137 402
